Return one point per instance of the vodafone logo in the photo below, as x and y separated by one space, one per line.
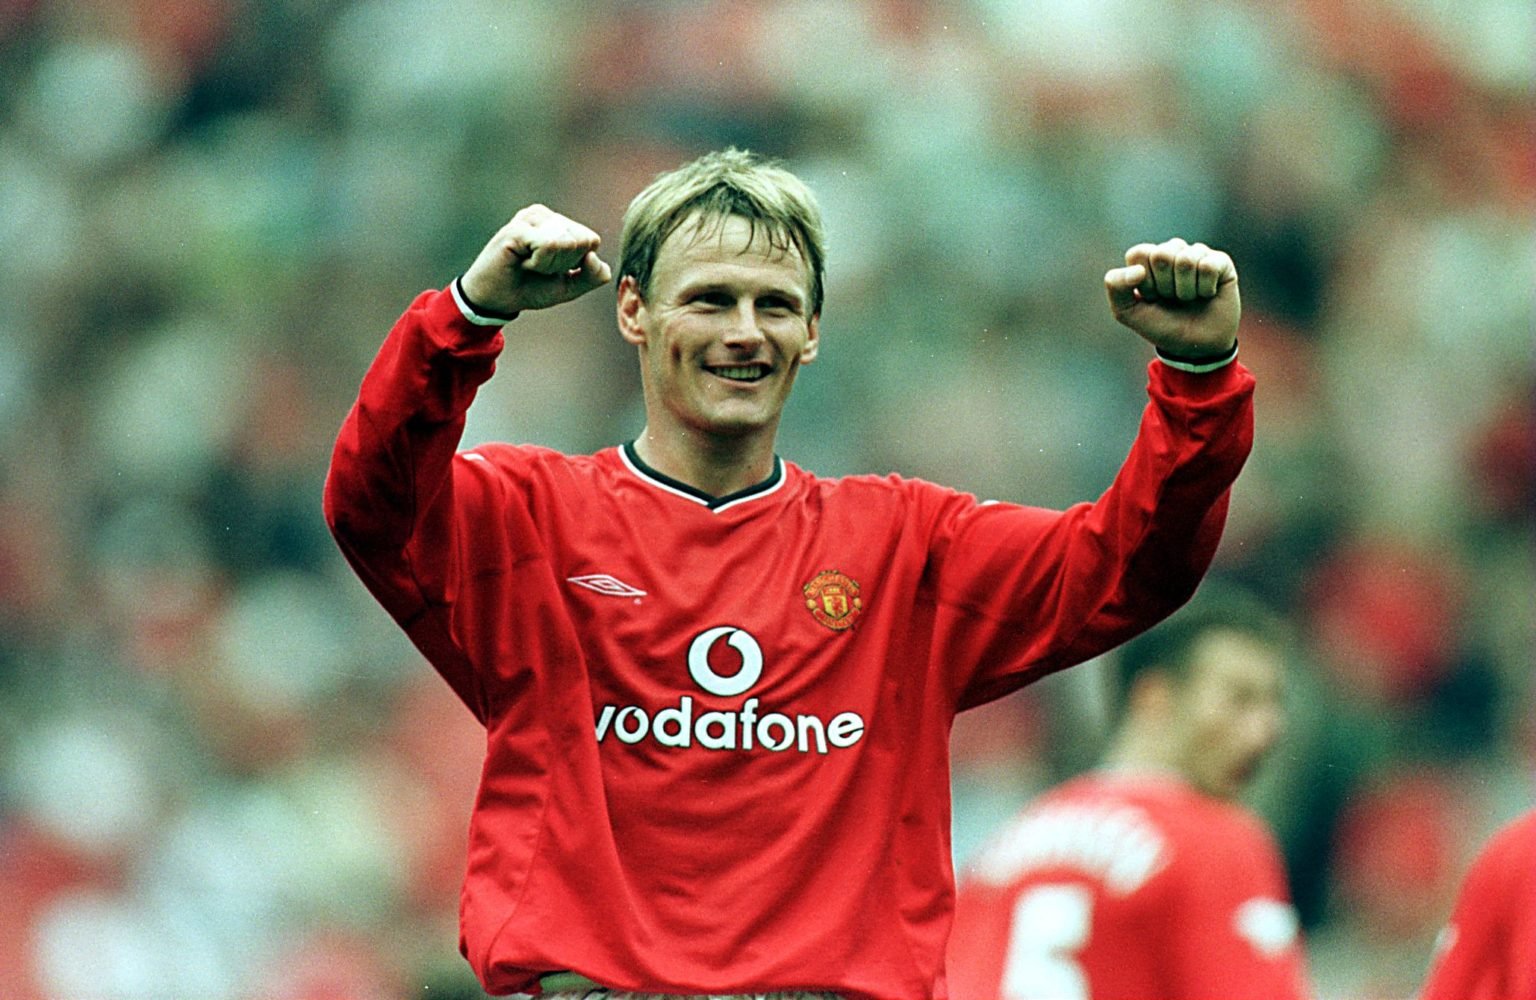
682 727
705 677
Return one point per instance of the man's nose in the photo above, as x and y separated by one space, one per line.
744 328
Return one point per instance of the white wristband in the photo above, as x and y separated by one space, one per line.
477 318
1199 367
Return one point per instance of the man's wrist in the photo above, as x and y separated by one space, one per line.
1198 364
477 314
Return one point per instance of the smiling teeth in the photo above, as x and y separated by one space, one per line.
740 372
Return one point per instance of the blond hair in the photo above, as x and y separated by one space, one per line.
711 189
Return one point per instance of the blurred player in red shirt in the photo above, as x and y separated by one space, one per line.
717 688
1488 949
1145 880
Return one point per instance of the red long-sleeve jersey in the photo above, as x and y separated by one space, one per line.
717 728
1488 949
1119 887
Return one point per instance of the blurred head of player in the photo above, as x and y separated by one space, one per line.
1201 695
720 287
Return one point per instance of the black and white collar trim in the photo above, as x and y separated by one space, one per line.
679 488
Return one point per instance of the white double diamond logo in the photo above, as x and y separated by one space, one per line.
605 584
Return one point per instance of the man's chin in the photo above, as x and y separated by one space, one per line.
730 422
1238 781
1228 785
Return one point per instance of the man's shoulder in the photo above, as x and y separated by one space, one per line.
526 458
1514 843
1212 851
1104 799
869 481
537 471
891 487
1181 811
1507 863
1084 828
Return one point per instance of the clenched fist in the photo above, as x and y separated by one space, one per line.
1180 297
538 259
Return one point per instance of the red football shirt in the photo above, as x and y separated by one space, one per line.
1120 887
717 729
1488 950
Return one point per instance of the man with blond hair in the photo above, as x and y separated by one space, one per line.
717 689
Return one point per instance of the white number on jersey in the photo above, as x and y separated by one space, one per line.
1050 926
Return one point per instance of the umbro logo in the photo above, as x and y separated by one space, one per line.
612 586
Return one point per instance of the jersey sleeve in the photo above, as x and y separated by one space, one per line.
1037 590
394 484
1488 949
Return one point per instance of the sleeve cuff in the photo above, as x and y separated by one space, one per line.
1198 366
475 314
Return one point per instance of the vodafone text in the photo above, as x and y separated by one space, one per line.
681 727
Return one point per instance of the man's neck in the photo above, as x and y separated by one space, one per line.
712 465
1135 750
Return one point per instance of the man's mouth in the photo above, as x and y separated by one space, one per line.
739 373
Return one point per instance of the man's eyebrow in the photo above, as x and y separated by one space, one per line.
794 298
705 286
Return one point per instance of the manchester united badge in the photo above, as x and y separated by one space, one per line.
833 599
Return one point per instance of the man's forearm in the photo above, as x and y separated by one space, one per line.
391 466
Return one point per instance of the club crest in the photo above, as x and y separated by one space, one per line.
833 599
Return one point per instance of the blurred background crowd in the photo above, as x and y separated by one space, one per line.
225 776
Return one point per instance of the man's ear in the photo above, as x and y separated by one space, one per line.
812 340
631 308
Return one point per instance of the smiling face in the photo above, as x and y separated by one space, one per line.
722 332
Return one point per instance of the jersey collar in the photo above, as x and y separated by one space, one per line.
677 487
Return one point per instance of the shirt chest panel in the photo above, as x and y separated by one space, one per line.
657 597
